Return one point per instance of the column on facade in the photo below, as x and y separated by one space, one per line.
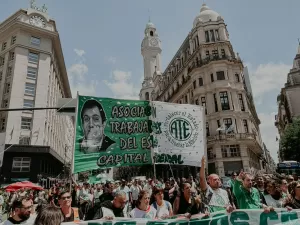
201 35
191 44
245 157
209 102
222 33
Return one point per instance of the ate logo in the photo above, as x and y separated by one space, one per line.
180 129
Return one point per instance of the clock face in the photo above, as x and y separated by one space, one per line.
153 42
37 21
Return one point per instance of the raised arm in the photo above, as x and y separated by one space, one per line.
203 183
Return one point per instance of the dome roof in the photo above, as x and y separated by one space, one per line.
150 25
206 15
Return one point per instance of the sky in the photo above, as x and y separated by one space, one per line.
101 41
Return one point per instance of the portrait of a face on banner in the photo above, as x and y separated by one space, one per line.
110 133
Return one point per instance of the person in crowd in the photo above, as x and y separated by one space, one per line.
213 196
148 186
97 193
108 209
293 200
143 208
49 215
65 202
166 190
260 183
284 188
192 182
273 196
123 187
248 197
295 176
163 207
187 202
135 190
108 193
290 179
21 208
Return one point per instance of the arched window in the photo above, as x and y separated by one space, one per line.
147 96
151 33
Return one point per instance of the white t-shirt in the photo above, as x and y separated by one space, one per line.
163 210
135 190
273 202
149 214
219 197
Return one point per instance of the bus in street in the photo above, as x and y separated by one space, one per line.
288 168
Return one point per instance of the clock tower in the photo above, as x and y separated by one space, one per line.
151 50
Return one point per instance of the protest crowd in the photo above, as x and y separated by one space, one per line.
151 199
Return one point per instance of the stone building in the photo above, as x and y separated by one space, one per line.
206 71
32 75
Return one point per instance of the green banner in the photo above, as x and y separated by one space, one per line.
111 132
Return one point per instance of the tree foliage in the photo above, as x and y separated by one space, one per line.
290 142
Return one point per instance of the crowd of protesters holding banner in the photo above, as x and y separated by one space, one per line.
151 199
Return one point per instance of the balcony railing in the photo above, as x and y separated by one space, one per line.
224 137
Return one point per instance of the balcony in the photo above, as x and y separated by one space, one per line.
247 138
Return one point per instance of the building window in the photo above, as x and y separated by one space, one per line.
206 36
216 103
212 36
31 73
11 56
35 41
203 103
33 58
28 103
224 100
21 164
186 99
220 75
5 103
13 40
210 153
3 123
151 33
230 151
24 140
6 88
215 53
1 61
223 53
227 122
30 89
26 123
217 35
197 102
1 75
241 102
200 81
194 84
224 151
207 129
245 123
9 71
212 77
237 78
4 46
207 54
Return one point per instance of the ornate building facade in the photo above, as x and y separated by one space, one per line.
32 75
206 71
288 100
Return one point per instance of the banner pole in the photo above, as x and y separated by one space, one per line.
154 169
74 143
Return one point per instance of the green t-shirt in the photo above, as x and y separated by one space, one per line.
246 199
